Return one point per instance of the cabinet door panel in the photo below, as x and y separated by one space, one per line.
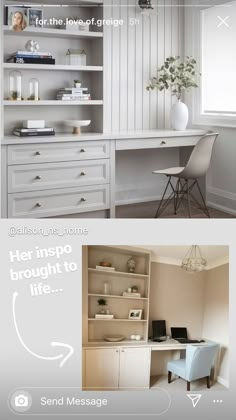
134 368
102 369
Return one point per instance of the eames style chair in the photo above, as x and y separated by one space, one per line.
187 177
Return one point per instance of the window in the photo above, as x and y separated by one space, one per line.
218 62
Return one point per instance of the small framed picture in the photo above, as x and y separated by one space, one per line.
17 17
35 17
135 313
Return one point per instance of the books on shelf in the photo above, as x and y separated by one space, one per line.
104 316
73 94
27 132
28 57
130 294
100 267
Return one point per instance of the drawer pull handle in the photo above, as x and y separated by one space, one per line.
117 351
82 150
82 173
38 177
38 204
163 142
122 351
38 153
83 199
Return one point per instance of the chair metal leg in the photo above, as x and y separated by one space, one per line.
163 205
188 197
188 386
169 377
206 211
208 382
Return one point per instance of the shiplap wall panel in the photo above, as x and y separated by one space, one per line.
131 56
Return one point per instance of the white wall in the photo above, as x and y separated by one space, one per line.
131 56
216 316
221 185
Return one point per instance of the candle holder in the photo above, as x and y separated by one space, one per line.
33 90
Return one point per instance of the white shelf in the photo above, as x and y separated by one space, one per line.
117 297
87 3
117 320
118 273
52 67
54 33
51 102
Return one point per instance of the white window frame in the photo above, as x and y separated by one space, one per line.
198 117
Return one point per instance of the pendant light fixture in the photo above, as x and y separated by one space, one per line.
193 261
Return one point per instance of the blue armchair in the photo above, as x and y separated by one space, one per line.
196 365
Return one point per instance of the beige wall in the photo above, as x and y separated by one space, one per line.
215 315
198 302
177 297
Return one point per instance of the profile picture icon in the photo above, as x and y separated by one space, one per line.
17 19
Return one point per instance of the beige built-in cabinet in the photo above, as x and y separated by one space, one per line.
124 364
117 368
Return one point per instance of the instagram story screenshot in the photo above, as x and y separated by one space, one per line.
118 209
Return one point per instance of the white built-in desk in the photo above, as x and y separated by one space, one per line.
124 364
68 174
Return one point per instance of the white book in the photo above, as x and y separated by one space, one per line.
100 267
104 316
32 53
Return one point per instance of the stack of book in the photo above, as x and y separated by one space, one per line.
73 94
29 57
101 267
27 132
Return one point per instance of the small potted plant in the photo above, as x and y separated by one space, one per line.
102 303
177 76
77 83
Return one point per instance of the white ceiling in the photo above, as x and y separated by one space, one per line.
215 255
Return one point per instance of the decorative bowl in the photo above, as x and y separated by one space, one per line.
114 338
76 124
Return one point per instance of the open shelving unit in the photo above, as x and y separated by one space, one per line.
53 77
117 281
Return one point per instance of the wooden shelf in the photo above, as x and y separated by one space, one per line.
119 273
52 102
117 297
55 67
117 320
53 33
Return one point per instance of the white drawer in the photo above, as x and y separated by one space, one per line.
58 202
57 175
58 152
154 143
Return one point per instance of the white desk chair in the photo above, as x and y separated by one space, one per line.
187 177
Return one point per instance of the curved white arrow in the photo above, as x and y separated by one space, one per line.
53 344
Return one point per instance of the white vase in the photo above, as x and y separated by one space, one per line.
179 116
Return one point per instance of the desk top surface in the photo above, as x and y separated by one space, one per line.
122 135
165 345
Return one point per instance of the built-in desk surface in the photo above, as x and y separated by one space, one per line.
122 135
154 346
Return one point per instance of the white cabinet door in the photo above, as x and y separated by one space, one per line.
102 369
134 368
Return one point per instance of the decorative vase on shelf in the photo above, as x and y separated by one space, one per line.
15 86
131 265
179 116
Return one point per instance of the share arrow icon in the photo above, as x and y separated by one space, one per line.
195 398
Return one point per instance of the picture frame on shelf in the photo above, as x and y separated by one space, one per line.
135 313
35 17
16 17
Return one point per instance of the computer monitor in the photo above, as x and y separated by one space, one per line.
180 332
159 328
